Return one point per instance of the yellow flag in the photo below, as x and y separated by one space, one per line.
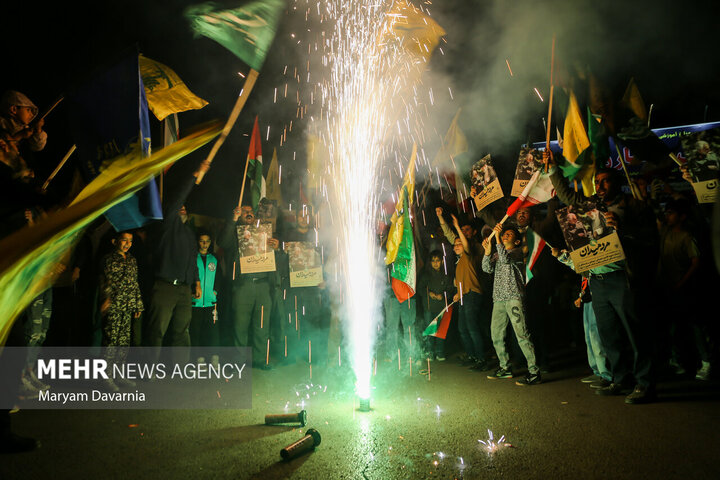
634 101
418 32
454 143
164 90
272 182
397 220
575 139
317 156
30 255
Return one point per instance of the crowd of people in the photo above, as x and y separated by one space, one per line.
176 284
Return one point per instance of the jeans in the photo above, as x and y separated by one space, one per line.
397 313
469 311
513 311
619 328
597 359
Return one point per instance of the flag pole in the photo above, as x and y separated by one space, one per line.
550 100
51 108
57 169
633 189
239 104
242 188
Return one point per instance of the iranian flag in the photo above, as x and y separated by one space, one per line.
440 324
539 189
535 245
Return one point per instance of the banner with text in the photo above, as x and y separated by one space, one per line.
128 378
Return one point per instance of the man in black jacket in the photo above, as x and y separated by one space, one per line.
176 272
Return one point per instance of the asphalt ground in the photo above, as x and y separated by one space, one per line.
418 428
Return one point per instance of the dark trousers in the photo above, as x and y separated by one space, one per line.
620 328
170 312
204 331
304 320
469 312
536 300
252 308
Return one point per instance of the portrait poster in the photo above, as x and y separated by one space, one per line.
255 255
702 152
529 161
305 264
485 183
590 241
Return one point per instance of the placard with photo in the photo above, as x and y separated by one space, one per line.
590 241
485 183
255 255
305 264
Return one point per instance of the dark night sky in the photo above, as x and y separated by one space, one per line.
666 46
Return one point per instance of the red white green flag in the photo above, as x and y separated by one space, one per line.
535 244
440 324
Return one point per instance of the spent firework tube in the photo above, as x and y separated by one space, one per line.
305 444
300 417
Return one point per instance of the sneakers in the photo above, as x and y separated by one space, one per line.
480 366
704 372
530 379
611 389
641 395
676 368
468 361
500 373
600 384
591 379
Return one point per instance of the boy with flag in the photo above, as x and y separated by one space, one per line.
434 286
508 297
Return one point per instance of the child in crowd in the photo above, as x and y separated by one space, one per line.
434 286
204 330
508 301
121 302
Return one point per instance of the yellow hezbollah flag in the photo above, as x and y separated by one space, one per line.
575 139
397 221
317 155
30 256
576 149
166 93
634 101
272 183
454 143
418 32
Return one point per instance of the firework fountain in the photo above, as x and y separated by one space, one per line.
366 121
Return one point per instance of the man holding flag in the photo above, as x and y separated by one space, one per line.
400 307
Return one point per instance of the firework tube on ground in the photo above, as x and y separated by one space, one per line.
300 417
305 444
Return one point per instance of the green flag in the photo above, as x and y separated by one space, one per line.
246 31
404 270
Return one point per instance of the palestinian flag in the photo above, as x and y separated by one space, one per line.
535 244
255 167
440 324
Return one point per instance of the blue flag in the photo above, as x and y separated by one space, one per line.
109 117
